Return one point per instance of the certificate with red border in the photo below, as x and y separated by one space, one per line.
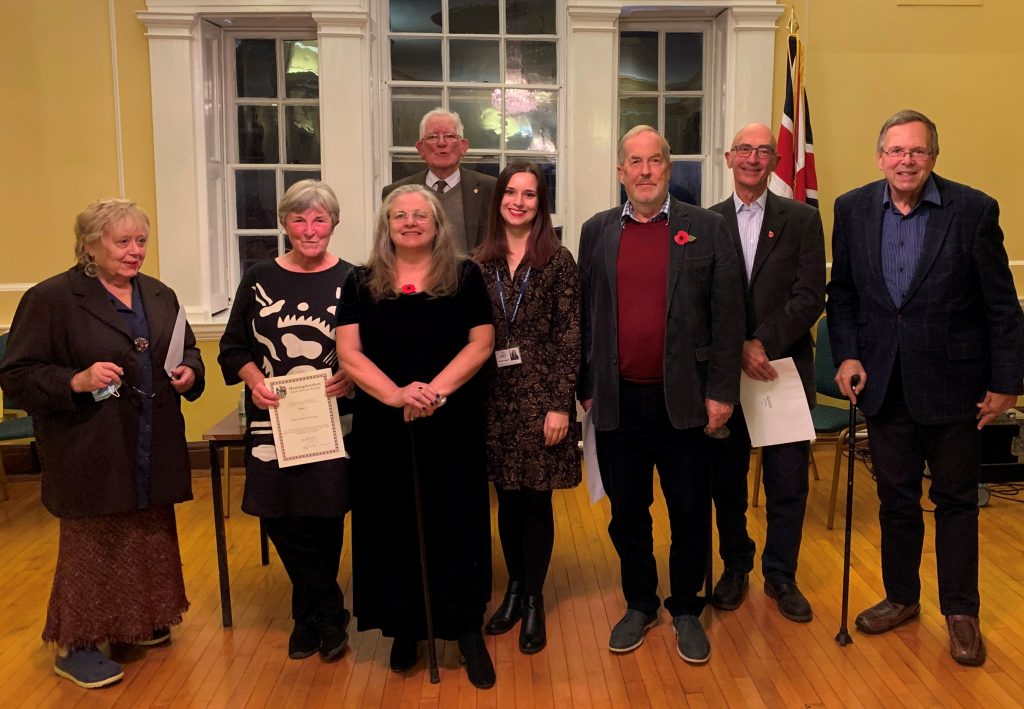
306 424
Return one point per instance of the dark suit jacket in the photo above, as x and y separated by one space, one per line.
786 291
960 330
477 190
703 318
62 326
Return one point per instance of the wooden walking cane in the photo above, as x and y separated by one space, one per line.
435 676
843 636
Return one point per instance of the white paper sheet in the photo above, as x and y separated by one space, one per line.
594 485
776 411
176 350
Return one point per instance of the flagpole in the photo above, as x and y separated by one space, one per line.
793 26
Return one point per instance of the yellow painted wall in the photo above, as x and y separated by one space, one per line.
57 136
57 129
961 66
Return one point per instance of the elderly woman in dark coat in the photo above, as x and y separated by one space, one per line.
88 359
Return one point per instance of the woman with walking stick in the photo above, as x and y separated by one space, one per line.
531 431
414 327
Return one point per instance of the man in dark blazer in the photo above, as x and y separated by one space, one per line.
442 146
662 324
923 309
782 247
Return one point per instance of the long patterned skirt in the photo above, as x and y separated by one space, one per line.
118 578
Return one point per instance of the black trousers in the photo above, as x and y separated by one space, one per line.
899 449
627 455
310 549
526 526
785 491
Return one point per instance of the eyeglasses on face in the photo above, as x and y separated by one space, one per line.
744 150
434 138
916 154
418 215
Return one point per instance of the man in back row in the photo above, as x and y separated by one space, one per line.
464 194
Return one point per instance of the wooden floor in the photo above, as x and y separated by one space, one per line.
758 658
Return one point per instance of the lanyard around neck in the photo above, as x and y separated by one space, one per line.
501 296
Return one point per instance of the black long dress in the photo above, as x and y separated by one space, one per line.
412 338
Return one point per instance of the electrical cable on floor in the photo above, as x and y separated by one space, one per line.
1006 491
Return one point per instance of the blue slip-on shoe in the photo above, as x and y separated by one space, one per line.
88 667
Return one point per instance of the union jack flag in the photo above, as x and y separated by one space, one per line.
794 174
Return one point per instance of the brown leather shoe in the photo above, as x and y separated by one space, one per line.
965 642
885 615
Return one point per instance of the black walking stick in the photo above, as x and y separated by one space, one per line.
435 676
843 636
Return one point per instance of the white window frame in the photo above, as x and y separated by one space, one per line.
711 107
232 103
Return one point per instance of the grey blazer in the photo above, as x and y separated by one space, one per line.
960 330
477 191
786 290
704 318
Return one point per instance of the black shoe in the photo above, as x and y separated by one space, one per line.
509 612
479 668
403 653
303 641
533 636
159 637
730 590
792 604
333 632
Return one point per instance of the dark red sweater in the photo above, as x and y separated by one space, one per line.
642 282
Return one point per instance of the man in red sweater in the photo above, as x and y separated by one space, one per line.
663 328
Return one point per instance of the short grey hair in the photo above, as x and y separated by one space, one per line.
909 116
440 113
309 194
637 130
96 219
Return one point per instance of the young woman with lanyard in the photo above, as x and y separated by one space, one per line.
531 433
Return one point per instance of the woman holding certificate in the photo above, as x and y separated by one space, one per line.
414 327
101 356
531 433
282 322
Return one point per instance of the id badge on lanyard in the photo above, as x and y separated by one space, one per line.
509 356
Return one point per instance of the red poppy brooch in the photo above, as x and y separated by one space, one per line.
683 238
408 288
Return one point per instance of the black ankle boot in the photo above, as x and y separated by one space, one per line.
403 653
479 667
509 612
533 635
